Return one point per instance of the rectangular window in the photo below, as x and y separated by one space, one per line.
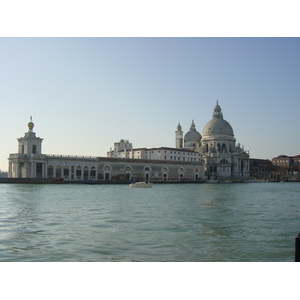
22 149
34 149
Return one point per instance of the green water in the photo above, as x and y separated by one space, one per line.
172 222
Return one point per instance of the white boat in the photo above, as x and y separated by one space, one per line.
141 185
212 181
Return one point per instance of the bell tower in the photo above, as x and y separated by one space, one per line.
179 136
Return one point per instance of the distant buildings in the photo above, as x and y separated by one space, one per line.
281 168
30 162
3 174
287 168
284 161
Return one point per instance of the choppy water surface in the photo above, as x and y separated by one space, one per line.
172 222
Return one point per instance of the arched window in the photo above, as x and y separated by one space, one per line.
50 171
164 174
58 171
93 172
66 171
34 149
107 170
78 171
86 173
224 161
223 148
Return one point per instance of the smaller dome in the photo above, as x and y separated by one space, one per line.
192 136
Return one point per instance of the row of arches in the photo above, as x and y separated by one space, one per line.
148 173
109 172
72 172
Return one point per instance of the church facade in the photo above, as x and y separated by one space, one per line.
222 157
215 149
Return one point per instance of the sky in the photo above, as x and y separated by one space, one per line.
84 94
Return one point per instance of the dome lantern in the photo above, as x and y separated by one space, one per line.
217 111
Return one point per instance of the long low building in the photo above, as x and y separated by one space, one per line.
29 162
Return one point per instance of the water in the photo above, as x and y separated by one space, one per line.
173 222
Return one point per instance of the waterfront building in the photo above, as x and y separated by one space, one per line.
214 155
30 162
261 169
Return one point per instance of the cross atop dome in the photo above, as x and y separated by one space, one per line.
193 127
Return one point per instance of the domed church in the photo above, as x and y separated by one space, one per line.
222 157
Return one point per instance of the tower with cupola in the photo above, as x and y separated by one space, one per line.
28 162
179 136
30 144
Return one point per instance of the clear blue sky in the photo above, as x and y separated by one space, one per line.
84 94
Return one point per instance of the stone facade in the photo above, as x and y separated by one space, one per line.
222 157
214 155
216 148
30 162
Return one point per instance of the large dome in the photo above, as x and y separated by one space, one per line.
192 136
217 126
